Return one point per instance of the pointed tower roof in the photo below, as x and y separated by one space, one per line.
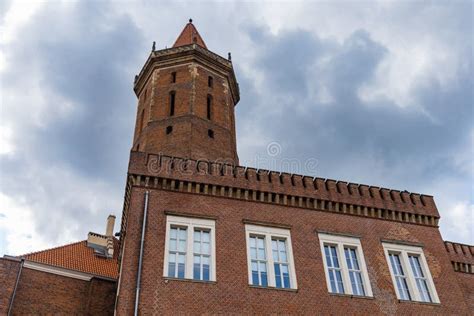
189 35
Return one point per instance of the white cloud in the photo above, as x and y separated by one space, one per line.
458 222
17 227
18 14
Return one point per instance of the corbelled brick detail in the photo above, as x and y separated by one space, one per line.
341 196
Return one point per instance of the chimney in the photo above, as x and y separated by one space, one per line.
109 231
103 245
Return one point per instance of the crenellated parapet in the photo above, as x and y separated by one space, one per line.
293 190
461 255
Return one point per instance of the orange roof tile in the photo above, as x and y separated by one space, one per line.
77 256
189 35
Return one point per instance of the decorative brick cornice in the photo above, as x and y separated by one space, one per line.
184 54
236 182
277 183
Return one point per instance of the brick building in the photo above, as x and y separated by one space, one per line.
202 234
74 279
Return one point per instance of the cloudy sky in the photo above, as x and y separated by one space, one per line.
379 93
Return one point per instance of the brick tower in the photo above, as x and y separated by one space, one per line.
186 98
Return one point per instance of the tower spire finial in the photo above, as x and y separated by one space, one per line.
189 35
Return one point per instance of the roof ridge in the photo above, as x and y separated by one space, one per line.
53 248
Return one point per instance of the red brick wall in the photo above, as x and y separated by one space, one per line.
45 293
466 282
8 274
231 293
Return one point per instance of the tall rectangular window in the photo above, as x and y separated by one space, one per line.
344 265
280 259
420 279
177 252
270 257
202 254
410 274
189 248
355 273
259 260
334 269
400 278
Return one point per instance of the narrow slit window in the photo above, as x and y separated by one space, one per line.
209 107
173 77
210 81
142 120
169 130
172 102
210 133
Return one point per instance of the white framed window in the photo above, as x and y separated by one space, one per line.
270 257
344 265
410 274
189 249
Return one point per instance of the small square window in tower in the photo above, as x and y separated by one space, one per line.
169 130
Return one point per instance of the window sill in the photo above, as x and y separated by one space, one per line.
421 303
272 288
167 279
352 296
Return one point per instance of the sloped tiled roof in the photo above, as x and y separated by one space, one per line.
189 35
77 256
